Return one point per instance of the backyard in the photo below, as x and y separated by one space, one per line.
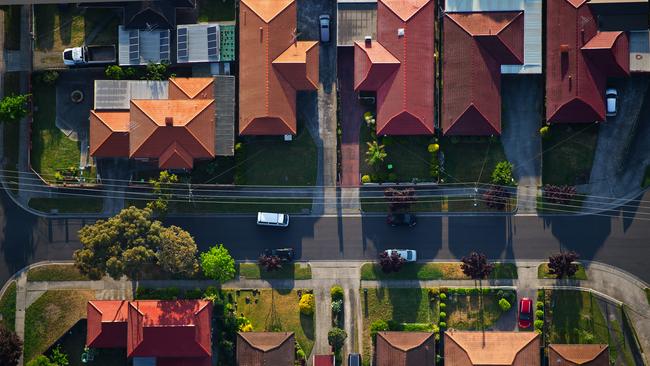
568 153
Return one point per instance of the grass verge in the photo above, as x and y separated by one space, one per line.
542 272
55 272
236 205
50 317
8 307
294 271
67 205
433 271
568 153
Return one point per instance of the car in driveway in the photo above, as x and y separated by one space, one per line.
525 316
324 25
409 255
285 254
611 101
401 219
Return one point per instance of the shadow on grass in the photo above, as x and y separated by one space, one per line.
44 19
65 24
307 324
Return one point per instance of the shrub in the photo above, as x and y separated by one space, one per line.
114 72
485 290
539 324
545 131
502 174
443 296
432 148
433 292
307 304
365 178
442 306
50 77
336 292
442 315
336 337
13 107
539 314
442 325
378 326
387 140
461 291
504 305
337 306
540 305
300 354
473 291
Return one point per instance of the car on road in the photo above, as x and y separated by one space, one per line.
525 312
611 97
272 219
324 21
285 254
409 254
354 359
401 219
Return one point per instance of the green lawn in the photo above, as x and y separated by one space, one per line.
56 272
216 10
422 204
50 317
8 307
58 27
542 272
474 312
576 317
68 204
236 205
568 153
295 271
277 310
12 26
470 159
432 271
51 149
272 161
11 136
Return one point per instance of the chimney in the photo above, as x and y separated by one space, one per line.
368 40
169 121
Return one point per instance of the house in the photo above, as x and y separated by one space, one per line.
169 123
405 349
579 59
153 332
399 66
475 46
474 348
273 66
578 354
265 348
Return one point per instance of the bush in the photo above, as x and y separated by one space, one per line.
473 291
545 131
114 72
539 314
502 174
485 290
443 296
442 306
461 291
337 306
433 292
432 148
336 292
365 179
336 337
539 324
504 305
300 354
442 325
540 305
442 315
378 326
13 107
50 77
307 304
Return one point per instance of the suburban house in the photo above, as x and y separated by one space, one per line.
578 354
405 349
579 59
170 123
273 66
474 348
399 66
265 348
162 333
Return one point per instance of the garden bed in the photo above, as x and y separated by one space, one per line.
8 307
433 271
55 272
542 272
568 153
67 204
291 271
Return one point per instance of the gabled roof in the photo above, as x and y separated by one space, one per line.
578 354
191 88
265 348
373 64
107 324
267 10
405 9
475 46
298 64
474 348
405 348
109 133
610 52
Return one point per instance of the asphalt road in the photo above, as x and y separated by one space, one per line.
622 241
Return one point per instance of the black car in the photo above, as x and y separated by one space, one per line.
285 254
401 219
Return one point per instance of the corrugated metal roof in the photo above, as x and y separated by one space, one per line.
198 43
224 94
355 22
116 94
140 47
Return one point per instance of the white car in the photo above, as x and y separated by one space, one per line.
272 219
324 21
611 97
409 254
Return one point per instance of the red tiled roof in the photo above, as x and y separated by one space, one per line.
191 88
272 67
400 68
265 348
578 354
475 47
578 61
467 348
405 348
109 133
107 324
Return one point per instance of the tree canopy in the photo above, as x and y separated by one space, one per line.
562 264
11 347
218 264
13 107
476 266
162 189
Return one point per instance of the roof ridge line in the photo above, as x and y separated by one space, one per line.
519 13
212 101
411 16
133 102
185 91
252 8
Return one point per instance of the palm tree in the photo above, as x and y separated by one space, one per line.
375 153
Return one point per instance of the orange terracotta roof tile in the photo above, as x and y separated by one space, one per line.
405 9
192 87
578 354
299 65
472 348
109 133
267 9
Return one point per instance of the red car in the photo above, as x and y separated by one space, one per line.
525 312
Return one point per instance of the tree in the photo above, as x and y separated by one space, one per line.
476 266
13 107
217 264
40 361
58 357
562 264
270 262
336 337
375 153
496 197
162 189
157 71
177 252
502 174
114 72
399 199
392 262
11 347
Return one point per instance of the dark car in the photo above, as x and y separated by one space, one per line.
402 219
354 359
285 254
525 312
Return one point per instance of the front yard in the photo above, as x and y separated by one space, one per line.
542 272
55 272
470 159
8 307
568 153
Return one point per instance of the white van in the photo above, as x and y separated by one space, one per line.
272 219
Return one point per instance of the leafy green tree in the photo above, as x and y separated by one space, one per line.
376 153
157 71
13 107
58 357
162 189
114 72
218 264
502 174
177 252
336 337
40 361
11 347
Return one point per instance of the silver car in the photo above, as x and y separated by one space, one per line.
324 21
611 98
409 255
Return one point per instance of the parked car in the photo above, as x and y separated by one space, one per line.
525 312
401 219
324 21
89 55
354 359
272 219
611 97
285 254
409 254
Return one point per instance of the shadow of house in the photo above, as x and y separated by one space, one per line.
149 14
